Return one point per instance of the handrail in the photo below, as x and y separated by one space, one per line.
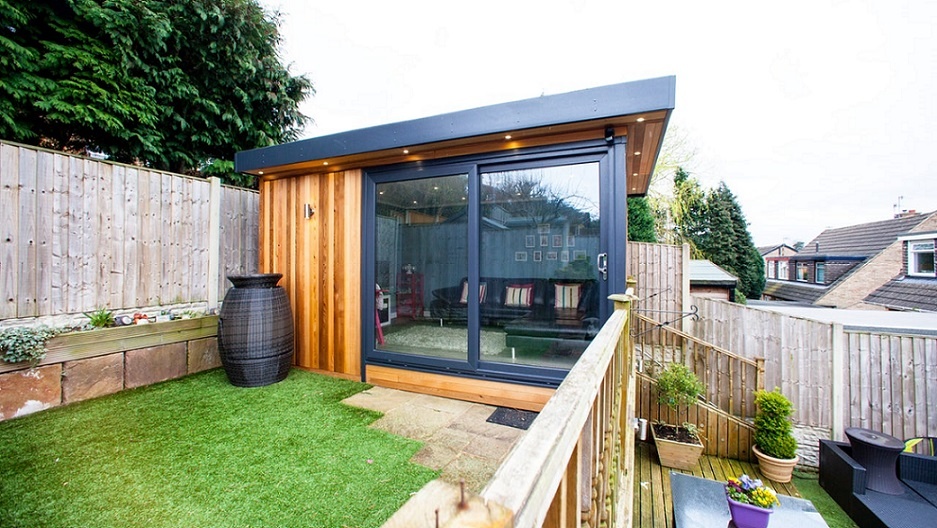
694 339
730 379
551 439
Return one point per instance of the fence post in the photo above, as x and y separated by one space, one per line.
214 242
837 387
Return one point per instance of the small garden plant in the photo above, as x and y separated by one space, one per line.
101 318
677 385
25 343
773 427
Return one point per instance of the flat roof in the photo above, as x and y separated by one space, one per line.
638 109
706 273
913 322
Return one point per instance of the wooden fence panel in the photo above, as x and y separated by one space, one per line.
661 285
892 383
77 234
890 379
797 352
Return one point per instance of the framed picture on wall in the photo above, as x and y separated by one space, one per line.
557 240
538 256
564 256
544 240
579 254
571 241
530 241
543 229
551 255
520 256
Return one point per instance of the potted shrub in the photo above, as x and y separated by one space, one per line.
775 445
678 446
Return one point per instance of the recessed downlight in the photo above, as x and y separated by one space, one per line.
640 120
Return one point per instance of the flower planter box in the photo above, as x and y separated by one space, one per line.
678 455
103 341
84 365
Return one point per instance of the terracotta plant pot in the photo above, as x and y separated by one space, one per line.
776 469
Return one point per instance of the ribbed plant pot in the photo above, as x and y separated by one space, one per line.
776 469
748 515
255 331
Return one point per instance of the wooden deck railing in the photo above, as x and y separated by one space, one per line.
574 465
730 379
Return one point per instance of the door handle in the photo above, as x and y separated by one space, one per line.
601 262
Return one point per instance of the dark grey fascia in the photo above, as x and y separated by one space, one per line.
584 105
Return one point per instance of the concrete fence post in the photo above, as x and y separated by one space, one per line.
214 243
838 388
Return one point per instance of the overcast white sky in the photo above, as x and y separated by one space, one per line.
816 114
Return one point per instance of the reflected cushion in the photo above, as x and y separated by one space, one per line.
521 295
482 290
567 295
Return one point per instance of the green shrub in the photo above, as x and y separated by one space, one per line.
678 385
25 343
773 428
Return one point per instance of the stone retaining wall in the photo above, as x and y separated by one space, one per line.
29 390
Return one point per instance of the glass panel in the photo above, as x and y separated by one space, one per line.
540 238
422 232
924 263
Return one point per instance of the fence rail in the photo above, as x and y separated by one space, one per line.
730 379
574 465
77 234
724 435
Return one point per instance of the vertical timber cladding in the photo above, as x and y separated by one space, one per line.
320 259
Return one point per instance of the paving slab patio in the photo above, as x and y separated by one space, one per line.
457 439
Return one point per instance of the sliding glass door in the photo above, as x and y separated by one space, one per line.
492 268
421 245
539 247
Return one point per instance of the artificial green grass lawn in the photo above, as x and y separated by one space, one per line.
198 452
808 486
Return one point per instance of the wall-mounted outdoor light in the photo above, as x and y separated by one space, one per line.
308 211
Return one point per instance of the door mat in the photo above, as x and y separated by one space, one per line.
515 418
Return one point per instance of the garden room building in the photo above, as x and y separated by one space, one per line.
469 254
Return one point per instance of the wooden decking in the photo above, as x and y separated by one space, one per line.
653 507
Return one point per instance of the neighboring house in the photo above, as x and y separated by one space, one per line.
711 281
916 288
842 266
776 259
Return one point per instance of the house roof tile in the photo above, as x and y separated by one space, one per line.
863 240
906 293
794 291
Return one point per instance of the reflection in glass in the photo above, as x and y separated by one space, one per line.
421 246
540 238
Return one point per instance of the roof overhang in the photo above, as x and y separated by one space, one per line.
639 110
